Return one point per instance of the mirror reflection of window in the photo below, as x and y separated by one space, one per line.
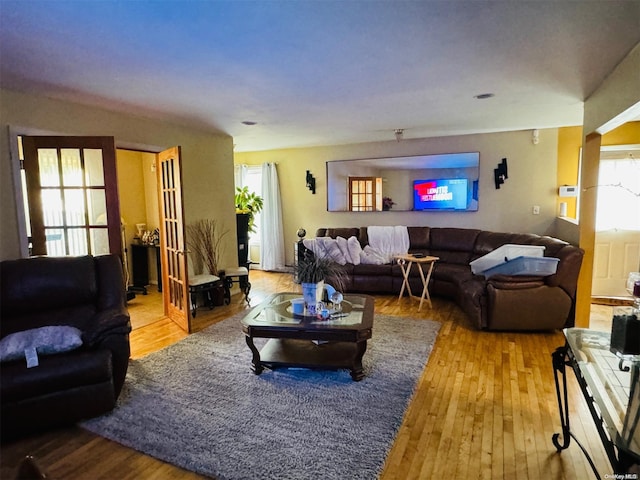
365 194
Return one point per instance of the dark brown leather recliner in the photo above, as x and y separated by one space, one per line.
84 292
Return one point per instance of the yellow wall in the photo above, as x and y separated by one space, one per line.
569 144
207 158
532 181
137 188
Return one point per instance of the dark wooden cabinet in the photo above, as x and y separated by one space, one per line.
242 230
140 266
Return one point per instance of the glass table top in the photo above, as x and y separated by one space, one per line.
613 382
277 309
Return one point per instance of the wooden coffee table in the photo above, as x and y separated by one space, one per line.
309 341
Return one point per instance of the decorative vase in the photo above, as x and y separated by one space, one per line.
312 294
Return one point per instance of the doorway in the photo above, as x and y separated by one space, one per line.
138 193
81 174
617 236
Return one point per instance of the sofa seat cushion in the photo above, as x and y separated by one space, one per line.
371 269
54 374
471 297
343 280
396 270
473 291
449 272
539 308
372 284
372 278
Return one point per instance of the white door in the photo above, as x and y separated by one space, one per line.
617 242
617 252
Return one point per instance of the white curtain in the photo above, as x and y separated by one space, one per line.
272 231
239 175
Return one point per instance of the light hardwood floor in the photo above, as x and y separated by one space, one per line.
485 407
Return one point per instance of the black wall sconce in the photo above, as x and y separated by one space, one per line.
500 173
311 182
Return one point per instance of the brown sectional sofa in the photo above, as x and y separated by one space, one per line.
501 302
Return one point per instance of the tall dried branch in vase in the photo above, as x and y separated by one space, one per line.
204 238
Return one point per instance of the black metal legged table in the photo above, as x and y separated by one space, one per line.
609 384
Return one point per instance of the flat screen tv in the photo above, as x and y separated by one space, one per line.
440 194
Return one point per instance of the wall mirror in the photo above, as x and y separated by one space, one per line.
442 182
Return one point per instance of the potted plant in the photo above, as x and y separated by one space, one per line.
248 203
204 238
387 203
311 272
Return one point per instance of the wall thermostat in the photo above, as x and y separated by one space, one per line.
569 191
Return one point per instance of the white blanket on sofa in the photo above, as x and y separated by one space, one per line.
390 241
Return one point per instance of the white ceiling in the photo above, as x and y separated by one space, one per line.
321 72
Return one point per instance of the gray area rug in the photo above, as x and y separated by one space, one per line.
196 404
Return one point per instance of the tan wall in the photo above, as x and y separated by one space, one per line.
532 181
131 192
619 92
150 190
207 157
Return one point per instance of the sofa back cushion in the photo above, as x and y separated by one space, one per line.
41 284
344 232
418 238
489 241
453 245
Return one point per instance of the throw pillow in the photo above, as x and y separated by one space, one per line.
45 341
354 250
344 249
333 251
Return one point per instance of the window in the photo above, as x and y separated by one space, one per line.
618 195
251 176
365 194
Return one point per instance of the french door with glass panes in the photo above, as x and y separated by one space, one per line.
172 238
72 195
